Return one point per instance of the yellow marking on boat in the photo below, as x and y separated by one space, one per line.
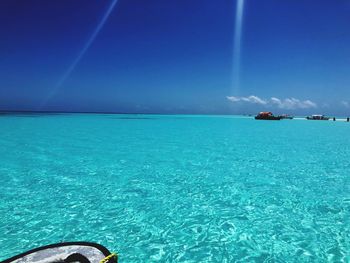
113 255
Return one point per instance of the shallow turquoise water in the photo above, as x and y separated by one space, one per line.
177 188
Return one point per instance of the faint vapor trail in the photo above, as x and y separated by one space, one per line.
237 46
82 52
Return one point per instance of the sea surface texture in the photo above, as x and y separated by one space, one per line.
177 188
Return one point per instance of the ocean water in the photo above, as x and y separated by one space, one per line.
177 188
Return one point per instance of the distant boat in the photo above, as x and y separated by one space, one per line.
286 116
266 115
317 117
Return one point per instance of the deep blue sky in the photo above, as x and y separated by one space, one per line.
175 56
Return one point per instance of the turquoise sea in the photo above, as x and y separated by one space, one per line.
177 188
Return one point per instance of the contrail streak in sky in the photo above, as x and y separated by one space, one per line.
237 46
82 52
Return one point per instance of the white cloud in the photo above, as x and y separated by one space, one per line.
346 104
233 99
251 99
293 103
288 103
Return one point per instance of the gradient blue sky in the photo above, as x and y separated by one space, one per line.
175 56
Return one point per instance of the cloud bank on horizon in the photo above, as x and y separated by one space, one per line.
288 103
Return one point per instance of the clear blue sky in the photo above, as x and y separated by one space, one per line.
175 56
